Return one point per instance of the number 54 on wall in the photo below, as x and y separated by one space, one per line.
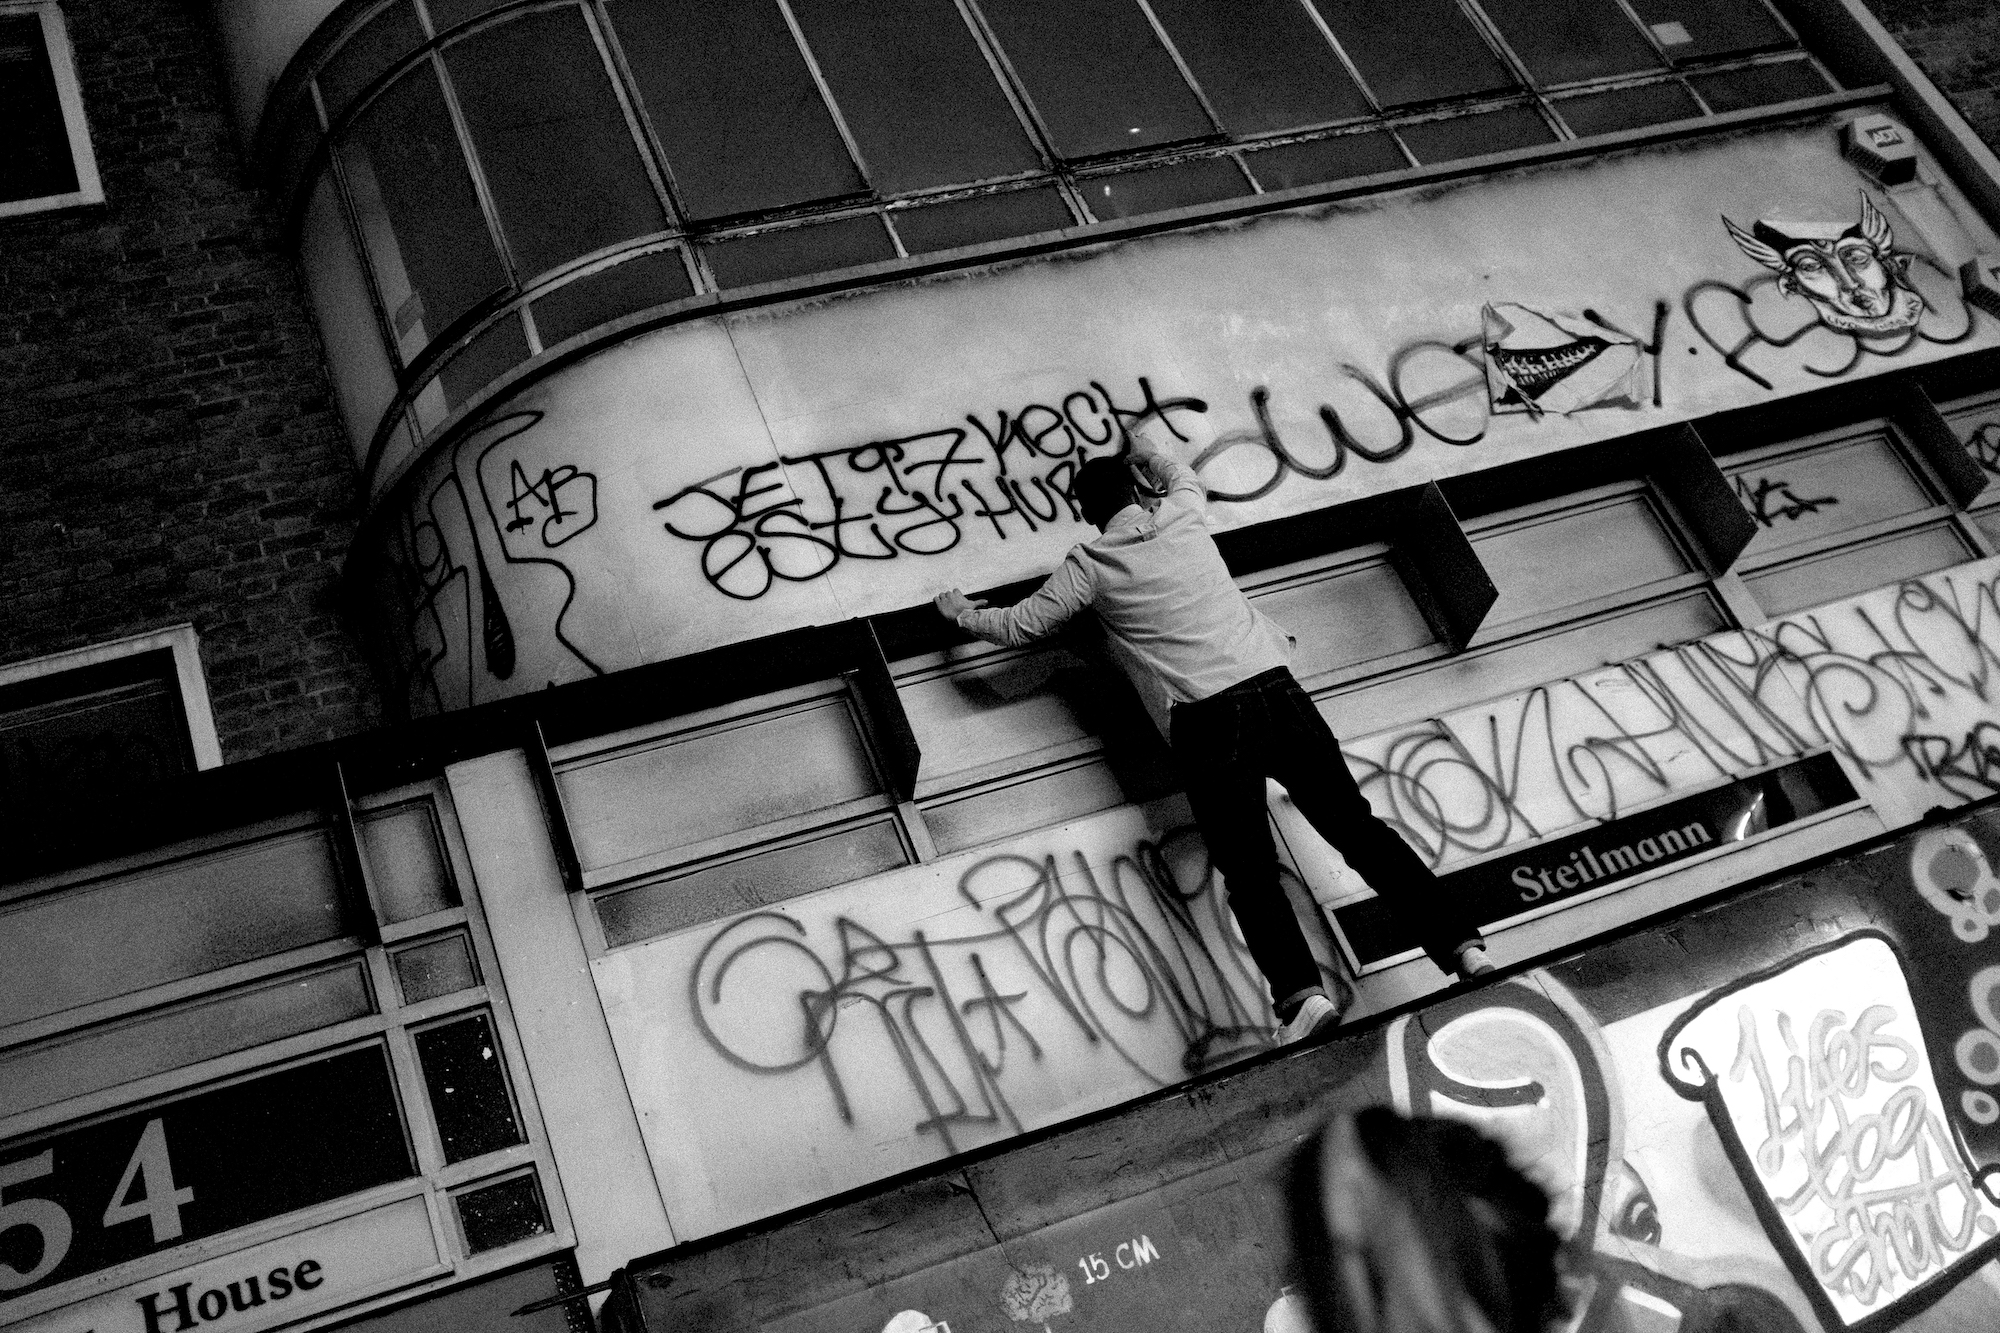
150 1171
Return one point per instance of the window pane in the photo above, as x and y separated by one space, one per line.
421 223
1856 569
1697 29
1627 109
435 967
1470 136
81 734
102 1057
1415 50
798 251
1821 492
1360 613
468 1088
1325 160
1263 63
1130 193
1760 85
1040 802
483 360
1099 76
598 298
375 46
34 152
1575 556
496 1215
1564 40
734 106
917 95
194 916
751 881
406 864
970 221
558 156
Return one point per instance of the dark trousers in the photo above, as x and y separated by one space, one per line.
1225 746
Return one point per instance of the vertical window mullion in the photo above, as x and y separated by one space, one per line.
1024 108
1353 72
337 173
1496 39
854 152
616 74
470 153
1187 75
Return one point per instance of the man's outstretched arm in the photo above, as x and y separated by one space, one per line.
1036 616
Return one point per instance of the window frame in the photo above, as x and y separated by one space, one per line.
69 96
389 1025
181 640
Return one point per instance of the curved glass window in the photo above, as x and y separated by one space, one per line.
517 173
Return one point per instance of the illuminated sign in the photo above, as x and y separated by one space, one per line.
87 1198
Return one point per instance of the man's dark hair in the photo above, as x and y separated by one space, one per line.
1484 1224
1103 486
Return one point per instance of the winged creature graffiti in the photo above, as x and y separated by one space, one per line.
1856 281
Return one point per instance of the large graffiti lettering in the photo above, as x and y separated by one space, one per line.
1899 682
1835 1123
1138 942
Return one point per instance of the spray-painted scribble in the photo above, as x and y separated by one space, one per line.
1771 500
1816 1076
1950 872
1141 941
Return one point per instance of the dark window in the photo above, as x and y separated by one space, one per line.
1561 41
1415 50
776 255
1760 85
370 53
500 1214
608 294
483 360
1099 77
1473 136
559 160
733 104
1627 108
1325 160
34 152
78 734
420 221
1157 189
1263 63
916 93
994 217
468 1088
1698 29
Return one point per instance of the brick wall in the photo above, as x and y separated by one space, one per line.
170 449
1957 43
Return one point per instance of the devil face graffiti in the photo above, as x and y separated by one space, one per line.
1853 278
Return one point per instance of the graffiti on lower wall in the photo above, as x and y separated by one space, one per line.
788 1053
746 474
1784 1145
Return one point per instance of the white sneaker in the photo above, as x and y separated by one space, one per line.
1316 1013
1473 961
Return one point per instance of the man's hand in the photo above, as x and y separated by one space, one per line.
952 603
1145 439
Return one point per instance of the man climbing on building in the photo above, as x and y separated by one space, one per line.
1195 648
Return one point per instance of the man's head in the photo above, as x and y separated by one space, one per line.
1423 1226
1103 486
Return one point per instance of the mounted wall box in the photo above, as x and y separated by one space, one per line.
1979 276
1878 145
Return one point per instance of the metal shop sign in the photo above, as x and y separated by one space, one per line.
276 1282
87 1198
1544 873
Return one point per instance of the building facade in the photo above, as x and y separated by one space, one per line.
501 839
